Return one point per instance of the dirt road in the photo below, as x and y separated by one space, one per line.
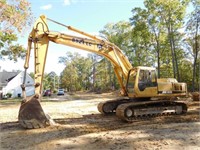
81 126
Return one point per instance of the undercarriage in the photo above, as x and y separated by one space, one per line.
131 109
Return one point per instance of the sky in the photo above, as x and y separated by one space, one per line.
87 15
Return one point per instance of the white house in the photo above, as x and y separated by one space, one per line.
14 85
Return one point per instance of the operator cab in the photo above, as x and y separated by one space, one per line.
142 82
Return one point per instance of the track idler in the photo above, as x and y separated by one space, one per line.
31 114
110 106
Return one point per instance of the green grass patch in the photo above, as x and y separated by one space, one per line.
10 101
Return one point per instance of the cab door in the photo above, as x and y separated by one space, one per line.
131 81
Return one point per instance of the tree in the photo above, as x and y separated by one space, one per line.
171 14
157 34
69 77
193 40
120 34
76 75
94 61
15 16
141 38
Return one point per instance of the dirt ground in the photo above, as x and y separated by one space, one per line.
79 125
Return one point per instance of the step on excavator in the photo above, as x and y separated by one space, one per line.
143 93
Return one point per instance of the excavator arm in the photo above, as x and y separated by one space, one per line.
31 114
41 36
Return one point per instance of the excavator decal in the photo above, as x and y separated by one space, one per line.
81 41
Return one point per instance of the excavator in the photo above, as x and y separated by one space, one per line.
143 94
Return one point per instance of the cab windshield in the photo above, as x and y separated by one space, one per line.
147 78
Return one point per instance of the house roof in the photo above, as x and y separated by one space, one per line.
5 77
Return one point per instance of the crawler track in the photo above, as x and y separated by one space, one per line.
134 110
130 110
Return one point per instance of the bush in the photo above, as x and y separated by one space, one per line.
9 95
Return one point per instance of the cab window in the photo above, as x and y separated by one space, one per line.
147 78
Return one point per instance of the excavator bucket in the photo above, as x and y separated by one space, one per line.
31 114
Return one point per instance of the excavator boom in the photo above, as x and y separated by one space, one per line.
40 37
31 114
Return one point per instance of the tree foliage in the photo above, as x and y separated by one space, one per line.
75 76
141 39
193 42
15 16
120 34
155 36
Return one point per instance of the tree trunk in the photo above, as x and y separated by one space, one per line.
195 57
175 58
158 52
110 74
194 75
94 77
172 50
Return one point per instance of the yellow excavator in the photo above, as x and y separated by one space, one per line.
143 93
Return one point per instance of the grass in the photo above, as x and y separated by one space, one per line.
10 101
